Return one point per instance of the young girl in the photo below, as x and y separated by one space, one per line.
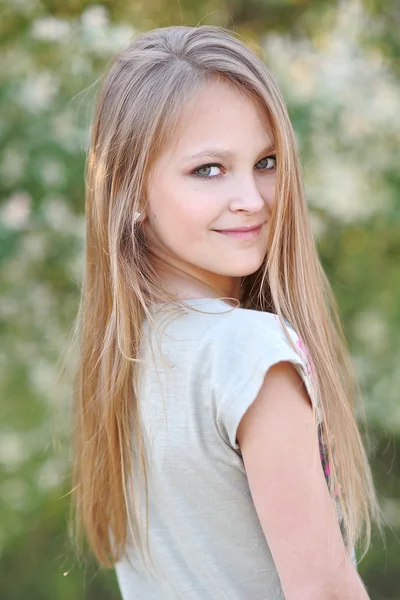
217 453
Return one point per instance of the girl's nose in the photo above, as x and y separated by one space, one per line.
246 196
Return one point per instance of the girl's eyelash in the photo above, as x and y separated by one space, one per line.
194 172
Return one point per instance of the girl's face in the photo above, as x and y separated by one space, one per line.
230 184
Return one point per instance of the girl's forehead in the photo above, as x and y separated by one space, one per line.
218 108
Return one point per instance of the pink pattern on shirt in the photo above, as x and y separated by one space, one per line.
306 354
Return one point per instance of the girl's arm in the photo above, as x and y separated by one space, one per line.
280 450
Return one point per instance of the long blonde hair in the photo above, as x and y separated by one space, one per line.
137 111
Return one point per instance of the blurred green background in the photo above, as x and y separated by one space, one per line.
337 64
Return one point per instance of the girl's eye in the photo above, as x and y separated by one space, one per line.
205 168
267 158
205 171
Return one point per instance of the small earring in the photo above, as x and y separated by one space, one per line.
136 215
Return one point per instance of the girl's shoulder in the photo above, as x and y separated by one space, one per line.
235 330
243 338
257 328
227 337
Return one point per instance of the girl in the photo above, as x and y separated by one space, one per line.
217 453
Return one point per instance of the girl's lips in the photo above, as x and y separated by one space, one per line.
242 234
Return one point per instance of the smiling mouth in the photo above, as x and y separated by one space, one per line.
244 233
248 228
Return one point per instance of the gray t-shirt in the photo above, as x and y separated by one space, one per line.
201 373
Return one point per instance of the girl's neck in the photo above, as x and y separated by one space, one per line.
188 288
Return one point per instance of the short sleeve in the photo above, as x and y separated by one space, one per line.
247 345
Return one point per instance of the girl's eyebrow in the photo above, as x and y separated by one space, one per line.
219 154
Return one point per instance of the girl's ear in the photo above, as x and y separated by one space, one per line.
138 217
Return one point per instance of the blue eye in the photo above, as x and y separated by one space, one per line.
197 172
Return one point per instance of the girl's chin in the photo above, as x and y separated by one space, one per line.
242 270
237 274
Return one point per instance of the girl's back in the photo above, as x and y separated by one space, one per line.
201 373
